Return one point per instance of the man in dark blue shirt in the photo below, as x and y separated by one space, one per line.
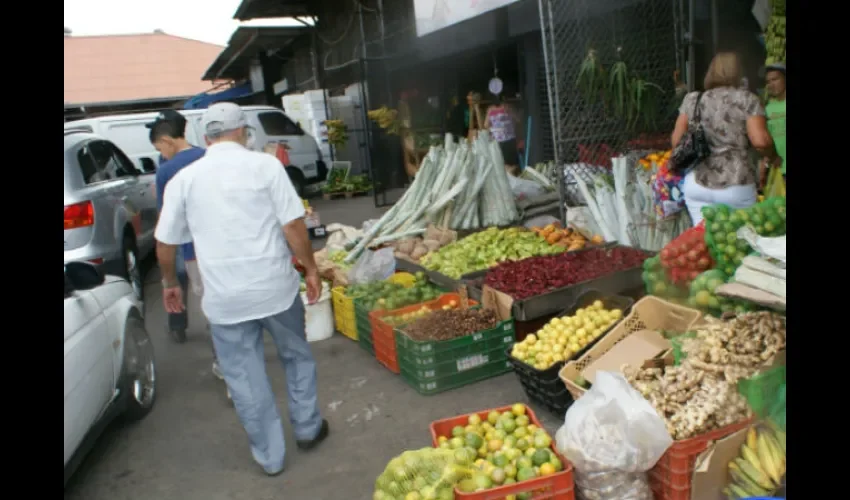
167 134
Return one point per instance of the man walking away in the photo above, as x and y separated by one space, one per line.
240 209
167 134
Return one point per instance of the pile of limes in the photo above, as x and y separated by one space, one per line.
562 338
506 448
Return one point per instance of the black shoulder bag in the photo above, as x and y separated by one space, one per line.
693 147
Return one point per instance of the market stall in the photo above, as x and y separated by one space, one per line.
680 329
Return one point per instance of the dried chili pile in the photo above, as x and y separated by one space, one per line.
539 275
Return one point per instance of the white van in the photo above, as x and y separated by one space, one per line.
129 133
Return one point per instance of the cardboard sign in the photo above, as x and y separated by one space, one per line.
633 350
497 301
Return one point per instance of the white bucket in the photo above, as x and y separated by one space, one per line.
319 317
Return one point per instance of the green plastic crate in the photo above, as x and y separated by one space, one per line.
430 352
449 382
451 366
366 343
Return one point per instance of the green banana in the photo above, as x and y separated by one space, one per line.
738 492
757 475
730 495
744 481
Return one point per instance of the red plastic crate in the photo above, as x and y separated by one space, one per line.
670 479
383 336
558 486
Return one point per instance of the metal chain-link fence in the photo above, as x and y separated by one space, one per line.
596 117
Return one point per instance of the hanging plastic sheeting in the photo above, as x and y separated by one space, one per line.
204 99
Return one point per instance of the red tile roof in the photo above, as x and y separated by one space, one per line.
135 67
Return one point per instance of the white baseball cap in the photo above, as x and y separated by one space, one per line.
223 117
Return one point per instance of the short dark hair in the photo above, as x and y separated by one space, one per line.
166 128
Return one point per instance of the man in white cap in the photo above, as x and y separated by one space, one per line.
240 209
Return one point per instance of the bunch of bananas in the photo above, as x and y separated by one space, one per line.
759 470
386 118
337 132
774 39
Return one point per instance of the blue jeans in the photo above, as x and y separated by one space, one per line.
180 321
242 362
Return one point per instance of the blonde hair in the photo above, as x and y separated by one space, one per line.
724 71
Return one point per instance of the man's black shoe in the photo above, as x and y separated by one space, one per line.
323 433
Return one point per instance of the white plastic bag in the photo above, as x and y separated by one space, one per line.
612 436
773 248
523 189
372 266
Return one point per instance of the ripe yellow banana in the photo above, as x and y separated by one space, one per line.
767 461
776 451
752 438
778 433
756 474
751 456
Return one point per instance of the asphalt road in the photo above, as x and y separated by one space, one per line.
192 446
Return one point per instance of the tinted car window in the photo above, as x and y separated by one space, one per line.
125 164
110 161
275 123
88 166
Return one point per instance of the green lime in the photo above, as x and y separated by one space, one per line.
525 473
540 457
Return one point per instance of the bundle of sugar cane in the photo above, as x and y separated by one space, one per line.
459 186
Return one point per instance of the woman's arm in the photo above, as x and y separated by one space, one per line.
680 129
760 137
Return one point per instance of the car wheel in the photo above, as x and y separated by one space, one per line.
139 371
133 268
297 179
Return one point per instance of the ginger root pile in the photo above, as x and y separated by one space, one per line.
701 394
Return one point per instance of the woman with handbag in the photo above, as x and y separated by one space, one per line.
712 137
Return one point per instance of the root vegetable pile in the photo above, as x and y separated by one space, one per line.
701 395
450 324
536 276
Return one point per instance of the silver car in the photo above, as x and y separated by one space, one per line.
110 207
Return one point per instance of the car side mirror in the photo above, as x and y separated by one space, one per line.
83 276
148 166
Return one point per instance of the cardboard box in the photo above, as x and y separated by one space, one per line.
711 473
634 350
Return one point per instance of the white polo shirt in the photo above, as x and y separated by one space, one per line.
233 203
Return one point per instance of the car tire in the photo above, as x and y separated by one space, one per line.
139 371
297 179
133 267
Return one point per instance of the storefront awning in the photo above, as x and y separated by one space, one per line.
259 9
204 99
234 61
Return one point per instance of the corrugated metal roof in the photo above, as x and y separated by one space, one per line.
133 67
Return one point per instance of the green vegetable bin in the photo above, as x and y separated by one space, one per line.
432 367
